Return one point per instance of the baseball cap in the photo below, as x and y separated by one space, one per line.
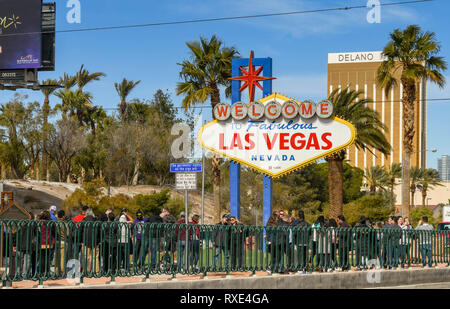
182 214
53 208
139 213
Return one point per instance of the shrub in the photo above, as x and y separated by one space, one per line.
374 207
417 213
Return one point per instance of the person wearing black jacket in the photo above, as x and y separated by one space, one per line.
109 230
25 247
155 233
385 242
393 239
281 242
344 245
301 236
237 247
362 242
90 238
222 239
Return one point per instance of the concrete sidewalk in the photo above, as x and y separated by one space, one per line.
333 280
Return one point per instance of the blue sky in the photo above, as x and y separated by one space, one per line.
298 44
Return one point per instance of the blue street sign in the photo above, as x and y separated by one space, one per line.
185 167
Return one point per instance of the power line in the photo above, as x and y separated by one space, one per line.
370 102
204 20
387 102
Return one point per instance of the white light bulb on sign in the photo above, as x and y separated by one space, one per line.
222 111
239 110
324 109
273 110
255 111
307 109
290 110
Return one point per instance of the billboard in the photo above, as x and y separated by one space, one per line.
20 37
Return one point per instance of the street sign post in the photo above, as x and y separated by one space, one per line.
185 167
186 179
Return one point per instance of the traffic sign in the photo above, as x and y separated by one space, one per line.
186 181
185 167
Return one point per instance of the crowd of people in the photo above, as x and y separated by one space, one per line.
161 240
386 244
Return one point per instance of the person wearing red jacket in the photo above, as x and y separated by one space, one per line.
81 216
194 243
180 238
47 229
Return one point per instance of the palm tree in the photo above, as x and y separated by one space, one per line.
369 134
94 116
415 175
68 82
140 111
76 102
377 178
411 56
50 86
84 77
429 179
208 69
123 90
394 172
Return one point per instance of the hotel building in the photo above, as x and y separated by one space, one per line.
358 70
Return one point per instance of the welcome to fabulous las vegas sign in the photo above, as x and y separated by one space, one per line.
276 134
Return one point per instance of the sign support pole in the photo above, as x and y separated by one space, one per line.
267 180
235 169
186 246
203 186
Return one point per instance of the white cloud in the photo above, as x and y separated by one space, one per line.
295 25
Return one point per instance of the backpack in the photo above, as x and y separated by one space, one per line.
169 219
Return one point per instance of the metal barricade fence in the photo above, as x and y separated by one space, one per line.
51 250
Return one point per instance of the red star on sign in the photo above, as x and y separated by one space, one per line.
251 78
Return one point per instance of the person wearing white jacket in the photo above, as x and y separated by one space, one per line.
425 241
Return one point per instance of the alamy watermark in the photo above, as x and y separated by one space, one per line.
74 14
374 14
374 274
185 145
74 273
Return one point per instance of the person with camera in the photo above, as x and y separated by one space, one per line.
124 241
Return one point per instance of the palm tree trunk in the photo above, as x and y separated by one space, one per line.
335 184
409 96
412 199
137 166
37 171
46 109
216 183
136 171
47 172
123 110
3 171
392 193
215 99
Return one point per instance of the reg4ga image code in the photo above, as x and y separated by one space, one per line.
225 299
